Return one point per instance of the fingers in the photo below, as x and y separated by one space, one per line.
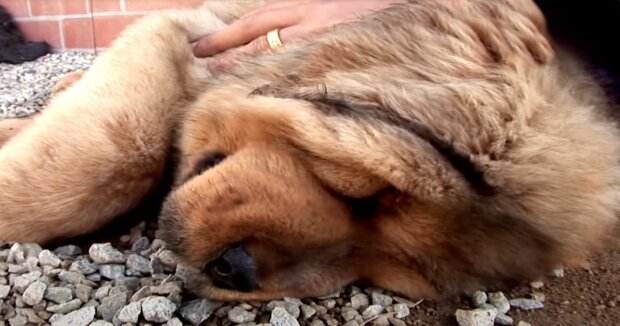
247 29
259 45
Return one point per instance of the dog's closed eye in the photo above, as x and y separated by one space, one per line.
208 160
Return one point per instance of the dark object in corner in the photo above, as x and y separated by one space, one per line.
591 29
13 47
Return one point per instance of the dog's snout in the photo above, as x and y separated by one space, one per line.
234 269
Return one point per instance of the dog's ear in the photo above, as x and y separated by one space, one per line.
366 145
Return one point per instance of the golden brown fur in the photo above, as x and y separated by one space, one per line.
455 152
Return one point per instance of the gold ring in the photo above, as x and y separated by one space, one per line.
273 39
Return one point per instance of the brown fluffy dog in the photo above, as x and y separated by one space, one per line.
429 149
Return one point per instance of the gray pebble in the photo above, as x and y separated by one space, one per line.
174 322
17 269
294 301
290 307
197 311
34 293
167 258
504 320
66 307
138 263
31 264
372 311
239 315
523 323
55 318
91 303
31 249
476 317
80 317
144 292
349 313
381 321
83 292
479 298
110 305
94 277
70 277
112 272
381 299
104 253
359 301
32 316
130 283
526 304
156 266
281 317
20 283
48 258
329 303
16 254
140 245
158 309
537 285
182 272
18 321
68 251
307 311
103 291
4 291
101 323
130 313
558 272
401 310
167 288
498 299
119 289
83 266
59 294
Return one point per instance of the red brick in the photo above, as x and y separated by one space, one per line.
106 5
108 28
17 8
78 33
148 5
42 31
57 7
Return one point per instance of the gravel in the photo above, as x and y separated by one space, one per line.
26 87
137 280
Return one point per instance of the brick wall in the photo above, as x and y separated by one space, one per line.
81 24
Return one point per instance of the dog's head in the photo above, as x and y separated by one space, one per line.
251 221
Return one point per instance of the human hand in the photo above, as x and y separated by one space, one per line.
296 19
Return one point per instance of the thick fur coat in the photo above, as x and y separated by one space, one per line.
430 149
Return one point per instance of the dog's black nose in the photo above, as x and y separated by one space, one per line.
234 269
